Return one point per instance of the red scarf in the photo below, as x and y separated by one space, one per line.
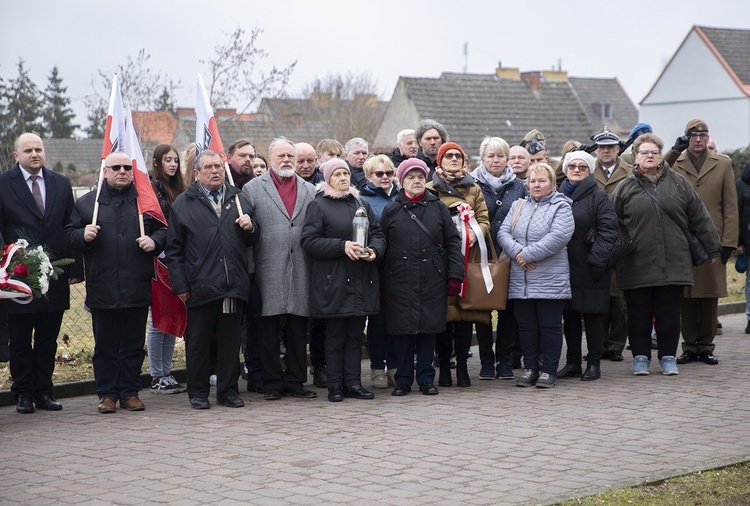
415 199
287 191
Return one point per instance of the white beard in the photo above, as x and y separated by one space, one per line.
285 172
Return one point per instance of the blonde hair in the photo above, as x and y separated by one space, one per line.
372 163
541 167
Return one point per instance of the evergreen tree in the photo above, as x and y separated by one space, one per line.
24 106
58 116
97 115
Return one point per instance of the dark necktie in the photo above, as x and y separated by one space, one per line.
37 193
215 196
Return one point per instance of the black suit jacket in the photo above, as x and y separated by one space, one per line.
20 218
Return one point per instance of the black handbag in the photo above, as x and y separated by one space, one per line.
697 249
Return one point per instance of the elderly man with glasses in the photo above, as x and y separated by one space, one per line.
118 262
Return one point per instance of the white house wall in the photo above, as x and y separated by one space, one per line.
696 85
401 114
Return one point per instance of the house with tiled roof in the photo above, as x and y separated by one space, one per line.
508 104
708 77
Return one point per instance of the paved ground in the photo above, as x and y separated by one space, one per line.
492 443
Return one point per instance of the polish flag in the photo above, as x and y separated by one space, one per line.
147 201
206 132
114 131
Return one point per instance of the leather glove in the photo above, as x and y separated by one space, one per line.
588 148
681 143
454 286
598 272
726 252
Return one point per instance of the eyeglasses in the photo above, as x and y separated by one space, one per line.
579 168
453 156
699 135
649 153
380 173
117 168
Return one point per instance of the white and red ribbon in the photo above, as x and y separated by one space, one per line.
467 220
22 293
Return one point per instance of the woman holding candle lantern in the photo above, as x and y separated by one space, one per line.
345 287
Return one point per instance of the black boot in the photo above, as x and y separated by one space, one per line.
593 372
462 374
570 371
444 379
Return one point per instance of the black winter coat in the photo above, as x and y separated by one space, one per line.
594 218
205 252
498 204
118 271
340 287
415 275
743 201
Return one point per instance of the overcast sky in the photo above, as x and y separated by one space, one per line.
632 41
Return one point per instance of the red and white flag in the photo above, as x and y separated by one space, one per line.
114 131
147 201
206 132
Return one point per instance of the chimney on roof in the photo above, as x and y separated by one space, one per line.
186 113
225 113
507 72
534 80
555 76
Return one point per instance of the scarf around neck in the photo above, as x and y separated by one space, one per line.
483 175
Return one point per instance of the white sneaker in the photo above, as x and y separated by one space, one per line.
166 385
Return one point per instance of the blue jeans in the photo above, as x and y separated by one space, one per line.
160 351
747 294
540 331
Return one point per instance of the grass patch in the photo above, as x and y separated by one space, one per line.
720 487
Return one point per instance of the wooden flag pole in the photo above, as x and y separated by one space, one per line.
231 181
140 224
98 191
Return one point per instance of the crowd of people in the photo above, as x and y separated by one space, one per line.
323 249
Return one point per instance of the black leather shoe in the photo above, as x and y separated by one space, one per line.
687 357
335 394
47 402
401 390
320 376
301 393
231 401
25 404
255 386
708 358
444 377
570 371
358 392
615 356
200 403
593 372
428 389
272 395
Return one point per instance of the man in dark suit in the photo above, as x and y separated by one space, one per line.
35 204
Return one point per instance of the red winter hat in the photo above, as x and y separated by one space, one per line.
445 147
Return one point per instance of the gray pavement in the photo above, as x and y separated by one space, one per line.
492 443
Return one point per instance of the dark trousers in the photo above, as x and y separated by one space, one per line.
344 350
699 317
294 376
207 323
573 331
119 336
405 347
507 332
540 331
662 305
379 343
32 365
615 325
502 341
252 350
317 342
458 333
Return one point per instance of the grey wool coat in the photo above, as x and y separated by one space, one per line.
282 268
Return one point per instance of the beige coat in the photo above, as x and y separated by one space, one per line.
621 171
717 189
464 191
